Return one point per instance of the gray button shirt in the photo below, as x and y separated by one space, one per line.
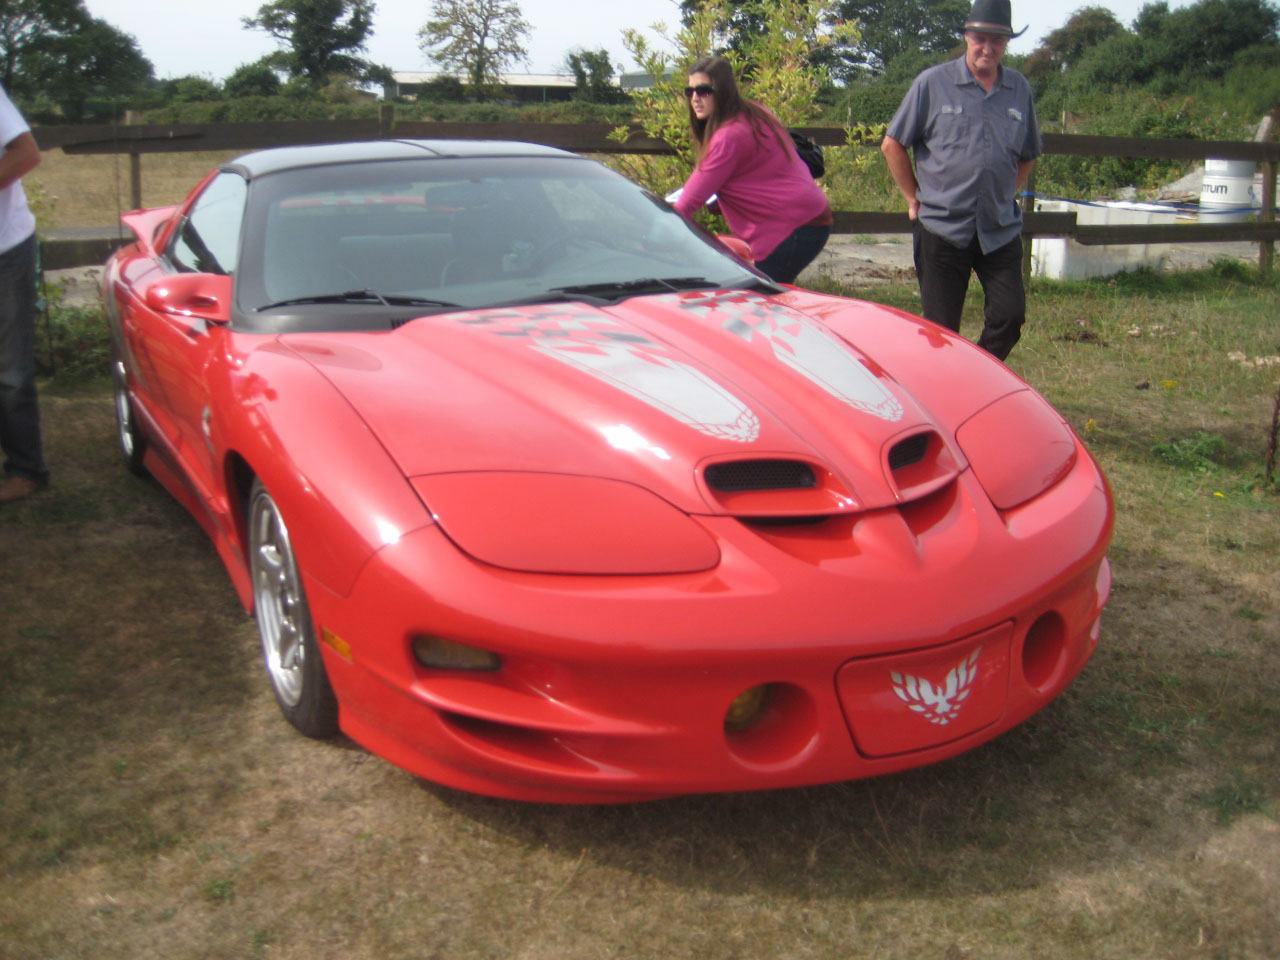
967 145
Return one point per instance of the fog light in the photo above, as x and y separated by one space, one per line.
436 653
747 707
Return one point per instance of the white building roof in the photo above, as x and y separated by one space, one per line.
510 79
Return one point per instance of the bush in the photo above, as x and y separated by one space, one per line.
72 343
284 107
873 103
1128 113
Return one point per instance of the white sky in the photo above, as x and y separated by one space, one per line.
207 39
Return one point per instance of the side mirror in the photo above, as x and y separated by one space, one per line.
738 247
201 296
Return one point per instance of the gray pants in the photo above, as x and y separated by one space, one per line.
19 413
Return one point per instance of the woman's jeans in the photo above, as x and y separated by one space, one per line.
19 415
794 253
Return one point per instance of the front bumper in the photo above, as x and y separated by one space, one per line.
616 688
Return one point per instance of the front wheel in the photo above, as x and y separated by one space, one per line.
288 636
133 445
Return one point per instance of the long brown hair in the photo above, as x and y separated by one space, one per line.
729 103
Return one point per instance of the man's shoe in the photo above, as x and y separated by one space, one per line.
15 488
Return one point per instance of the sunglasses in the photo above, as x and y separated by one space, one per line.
702 90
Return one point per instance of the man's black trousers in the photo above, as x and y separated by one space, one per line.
943 271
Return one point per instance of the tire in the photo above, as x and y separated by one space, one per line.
290 650
133 445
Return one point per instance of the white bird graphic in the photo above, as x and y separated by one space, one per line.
938 703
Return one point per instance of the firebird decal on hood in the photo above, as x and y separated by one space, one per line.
631 362
801 344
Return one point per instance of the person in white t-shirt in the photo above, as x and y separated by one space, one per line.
24 468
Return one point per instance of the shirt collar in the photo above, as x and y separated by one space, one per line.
962 76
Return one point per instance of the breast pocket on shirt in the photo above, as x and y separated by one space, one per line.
949 129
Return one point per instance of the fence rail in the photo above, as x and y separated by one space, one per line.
135 140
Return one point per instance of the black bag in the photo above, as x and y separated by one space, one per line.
810 152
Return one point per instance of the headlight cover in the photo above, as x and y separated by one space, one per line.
562 524
1018 447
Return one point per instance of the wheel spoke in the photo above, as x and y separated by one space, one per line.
291 653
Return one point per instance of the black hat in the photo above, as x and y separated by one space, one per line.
992 16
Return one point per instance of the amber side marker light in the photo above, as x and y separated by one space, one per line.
747 708
436 653
331 639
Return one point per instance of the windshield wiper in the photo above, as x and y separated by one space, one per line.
621 288
360 296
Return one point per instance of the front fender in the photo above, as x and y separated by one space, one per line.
341 495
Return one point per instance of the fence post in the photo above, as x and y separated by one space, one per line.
135 165
1028 205
1266 248
386 119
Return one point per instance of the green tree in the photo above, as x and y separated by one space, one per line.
28 25
443 89
1202 40
888 29
885 30
476 38
742 22
191 89
256 79
593 73
1171 49
92 62
783 74
1064 47
320 38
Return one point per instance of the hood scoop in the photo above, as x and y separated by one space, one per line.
768 487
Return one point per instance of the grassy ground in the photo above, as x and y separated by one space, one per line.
153 803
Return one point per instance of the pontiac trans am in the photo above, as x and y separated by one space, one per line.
539 491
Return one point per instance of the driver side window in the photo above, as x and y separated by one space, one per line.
208 241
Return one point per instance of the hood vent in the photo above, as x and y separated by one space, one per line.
740 476
906 452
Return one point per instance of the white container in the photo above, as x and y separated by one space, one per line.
1227 195
1064 259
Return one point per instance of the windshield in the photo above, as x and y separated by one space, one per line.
362 245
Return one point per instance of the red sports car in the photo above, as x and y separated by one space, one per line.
539 491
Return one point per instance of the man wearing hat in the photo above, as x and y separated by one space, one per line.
971 124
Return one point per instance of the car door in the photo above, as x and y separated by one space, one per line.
182 349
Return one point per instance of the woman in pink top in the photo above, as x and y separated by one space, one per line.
746 159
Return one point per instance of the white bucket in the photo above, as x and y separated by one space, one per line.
1227 193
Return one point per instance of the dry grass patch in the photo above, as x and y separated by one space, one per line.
93 189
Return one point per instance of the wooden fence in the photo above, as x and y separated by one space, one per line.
92 245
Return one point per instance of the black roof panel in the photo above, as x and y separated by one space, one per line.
276 159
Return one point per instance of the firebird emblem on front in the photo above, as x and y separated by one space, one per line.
938 703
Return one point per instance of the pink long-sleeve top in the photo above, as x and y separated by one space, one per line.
764 189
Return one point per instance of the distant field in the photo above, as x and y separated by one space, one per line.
92 191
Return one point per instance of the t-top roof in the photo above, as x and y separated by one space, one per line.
274 160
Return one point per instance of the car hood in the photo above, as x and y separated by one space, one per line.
651 391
